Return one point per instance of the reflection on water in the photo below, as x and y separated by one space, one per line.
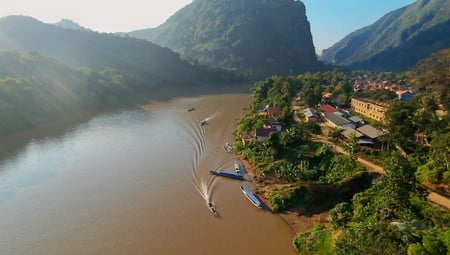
136 182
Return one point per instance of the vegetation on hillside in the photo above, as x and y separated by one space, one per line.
36 90
387 216
397 40
78 72
142 63
256 38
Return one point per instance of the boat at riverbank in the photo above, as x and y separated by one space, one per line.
227 174
249 194
237 168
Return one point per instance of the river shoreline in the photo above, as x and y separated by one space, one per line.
299 219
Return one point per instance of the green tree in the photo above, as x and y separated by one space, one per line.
341 214
335 133
274 144
374 239
398 184
400 123
352 147
430 245
434 76
437 168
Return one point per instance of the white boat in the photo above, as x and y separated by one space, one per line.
251 197
237 168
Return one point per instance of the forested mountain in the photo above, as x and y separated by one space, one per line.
143 63
70 24
35 89
256 37
397 40
49 72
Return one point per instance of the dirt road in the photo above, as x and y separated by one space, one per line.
371 167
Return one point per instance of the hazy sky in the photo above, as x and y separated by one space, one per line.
330 20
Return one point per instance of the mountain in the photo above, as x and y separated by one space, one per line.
256 37
141 62
70 24
35 89
397 40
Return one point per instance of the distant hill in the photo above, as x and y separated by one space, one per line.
256 37
143 63
70 24
397 40
35 89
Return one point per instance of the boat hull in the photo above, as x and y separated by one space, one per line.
228 174
251 197
237 168
213 210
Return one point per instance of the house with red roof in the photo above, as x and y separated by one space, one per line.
327 109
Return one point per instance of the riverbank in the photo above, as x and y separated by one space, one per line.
299 218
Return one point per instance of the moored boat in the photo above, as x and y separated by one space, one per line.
237 168
227 174
249 194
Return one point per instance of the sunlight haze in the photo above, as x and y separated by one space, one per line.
98 15
330 20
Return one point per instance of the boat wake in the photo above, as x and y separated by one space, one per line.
206 120
205 188
203 184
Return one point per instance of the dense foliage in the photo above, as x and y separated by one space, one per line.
142 63
290 155
80 72
391 216
257 38
35 89
397 40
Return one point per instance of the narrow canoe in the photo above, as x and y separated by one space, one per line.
251 197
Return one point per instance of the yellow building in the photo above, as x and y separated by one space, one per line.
369 108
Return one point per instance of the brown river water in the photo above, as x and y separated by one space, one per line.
136 182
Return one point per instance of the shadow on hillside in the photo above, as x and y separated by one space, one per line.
322 198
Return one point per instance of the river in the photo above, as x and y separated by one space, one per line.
135 182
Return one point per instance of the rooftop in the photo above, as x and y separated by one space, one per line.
328 108
337 119
370 131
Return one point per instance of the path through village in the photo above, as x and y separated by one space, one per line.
370 166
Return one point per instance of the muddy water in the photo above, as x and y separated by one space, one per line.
136 182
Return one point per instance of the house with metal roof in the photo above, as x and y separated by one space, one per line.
371 132
335 120
356 119
263 133
348 132
310 114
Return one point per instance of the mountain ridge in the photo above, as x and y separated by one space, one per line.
143 61
258 37
374 47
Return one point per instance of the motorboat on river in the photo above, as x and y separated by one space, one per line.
212 208
251 197
227 174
